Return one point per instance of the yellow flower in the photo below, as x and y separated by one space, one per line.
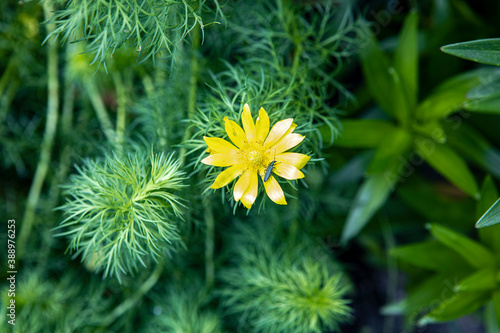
254 149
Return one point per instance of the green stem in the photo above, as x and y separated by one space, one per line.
193 86
66 125
121 110
135 298
100 109
209 245
48 136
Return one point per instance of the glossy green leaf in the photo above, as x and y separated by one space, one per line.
363 133
489 236
455 307
485 51
484 279
406 57
383 81
430 255
370 197
473 252
491 217
489 104
391 149
448 163
451 94
471 144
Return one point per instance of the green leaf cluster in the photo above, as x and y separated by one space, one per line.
123 211
461 274
149 28
416 131
283 286
64 305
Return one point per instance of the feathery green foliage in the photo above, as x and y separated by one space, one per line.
65 305
289 287
123 211
148 27
182 309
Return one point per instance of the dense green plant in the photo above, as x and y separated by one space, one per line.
483 51
273 280
145 27
182 309
123 211
460 273
417 132
144 246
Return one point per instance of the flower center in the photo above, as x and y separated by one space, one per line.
255 158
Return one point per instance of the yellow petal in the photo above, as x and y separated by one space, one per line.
248 125
235 132
274 191
295 159
262 125
242 185
218 145
287 171
250 194
279 129
223 160
226 176
288 142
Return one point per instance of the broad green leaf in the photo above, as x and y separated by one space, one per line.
392 147
406 57
455 307
430 255
490 321
484 279
363 133
422 196
400 101
496 303
448 163
491 217
430 129
451 94
489 195
370 197
473 252
383 80
422 296
485 51
472 145
489 236
489 104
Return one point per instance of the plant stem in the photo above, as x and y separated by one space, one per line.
131 301
100 109
65 126
48 136
193 86
209 245
121 110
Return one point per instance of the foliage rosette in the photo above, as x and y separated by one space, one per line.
277 285
257 151
123 211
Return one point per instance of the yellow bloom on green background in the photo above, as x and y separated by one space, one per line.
255 147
